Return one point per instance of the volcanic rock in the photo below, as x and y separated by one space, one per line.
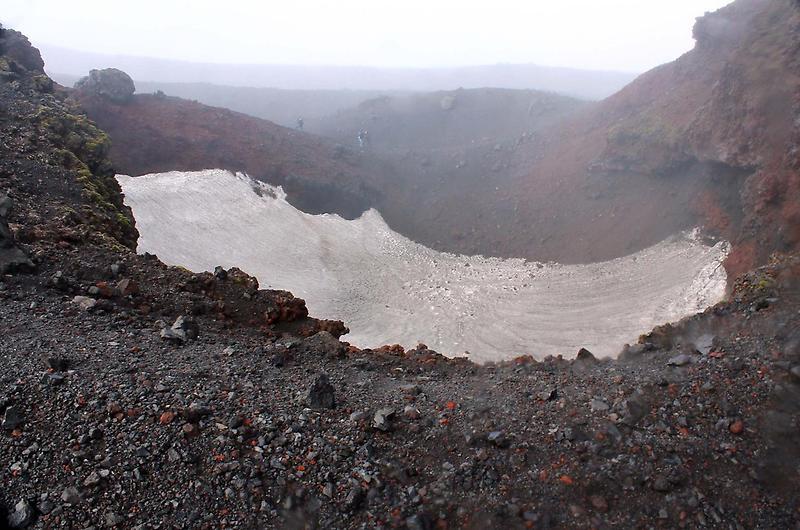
110 83
382 420
12 258
184 328
22 516
71 495
326 344
85 302
13 418
585 355
321 393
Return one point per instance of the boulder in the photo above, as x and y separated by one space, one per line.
111 83
321 393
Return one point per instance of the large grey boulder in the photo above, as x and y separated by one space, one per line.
111 83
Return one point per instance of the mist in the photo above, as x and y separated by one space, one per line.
619 35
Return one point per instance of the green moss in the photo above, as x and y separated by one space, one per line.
765 283
79 146
124 220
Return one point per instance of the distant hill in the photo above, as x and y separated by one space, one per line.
585 84
278 105
456 119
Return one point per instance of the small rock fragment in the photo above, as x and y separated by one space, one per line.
92 480
353 499
22 516
358 416
71 496
85 302
382 420
112 519
598 405
661 484
187 326
498 439
585 355
13 418
59 364
736 427
196 412
680 360
410 389
127 287
548 394
412 413
182 330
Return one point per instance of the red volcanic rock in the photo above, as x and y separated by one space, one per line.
284 307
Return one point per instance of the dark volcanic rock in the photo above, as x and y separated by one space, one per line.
13 418
585 355
12 258
111 83
17 49
58 364
325 343
321 393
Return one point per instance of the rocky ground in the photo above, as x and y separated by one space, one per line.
133 394
108 423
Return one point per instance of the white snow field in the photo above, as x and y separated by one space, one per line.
388 289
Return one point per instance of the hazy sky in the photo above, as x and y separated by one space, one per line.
629 35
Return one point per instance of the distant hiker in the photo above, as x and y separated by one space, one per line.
300 123
363 138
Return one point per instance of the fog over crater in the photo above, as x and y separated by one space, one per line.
388 289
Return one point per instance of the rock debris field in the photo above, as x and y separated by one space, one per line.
389 289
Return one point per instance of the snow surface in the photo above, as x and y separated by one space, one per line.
388 289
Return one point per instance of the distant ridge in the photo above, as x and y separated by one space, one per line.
585 84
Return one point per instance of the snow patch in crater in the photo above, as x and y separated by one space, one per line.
388 289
